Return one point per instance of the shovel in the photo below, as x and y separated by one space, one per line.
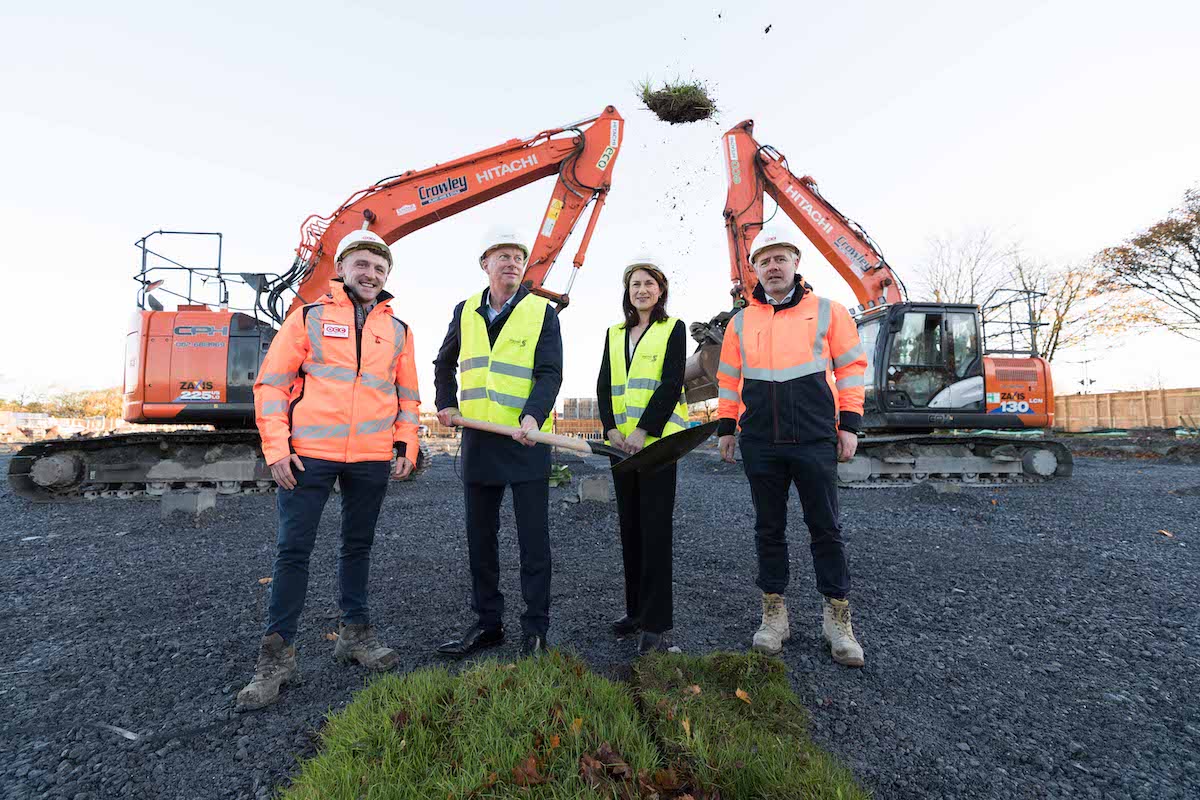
652 457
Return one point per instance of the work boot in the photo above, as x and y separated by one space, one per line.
359 643
774 630
840 633
276 666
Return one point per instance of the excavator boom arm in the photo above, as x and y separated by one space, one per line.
751 170
582 157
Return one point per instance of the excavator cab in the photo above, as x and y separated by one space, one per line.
929 369
924 358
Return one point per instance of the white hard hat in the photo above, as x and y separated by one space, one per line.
503 237
647 262
363 240
773 236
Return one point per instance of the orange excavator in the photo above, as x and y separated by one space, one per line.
940 403
196 364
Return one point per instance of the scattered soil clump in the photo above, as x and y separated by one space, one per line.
679 102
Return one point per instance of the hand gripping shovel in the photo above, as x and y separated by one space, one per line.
654 456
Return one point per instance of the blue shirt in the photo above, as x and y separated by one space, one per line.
491 312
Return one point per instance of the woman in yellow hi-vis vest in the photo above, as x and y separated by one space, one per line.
640 395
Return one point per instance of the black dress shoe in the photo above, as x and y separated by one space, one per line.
650 642
476 638
533 644
626 626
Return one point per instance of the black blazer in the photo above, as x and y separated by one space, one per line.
487 457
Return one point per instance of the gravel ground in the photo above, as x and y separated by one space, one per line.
1024 642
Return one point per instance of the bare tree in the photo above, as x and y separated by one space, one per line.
1072 309
966 267
1164 263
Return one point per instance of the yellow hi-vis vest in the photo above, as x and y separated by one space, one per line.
631 393
495 380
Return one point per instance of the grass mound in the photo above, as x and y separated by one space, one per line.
734 719
549 728
678 102
538 728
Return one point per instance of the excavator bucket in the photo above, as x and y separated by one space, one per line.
700 373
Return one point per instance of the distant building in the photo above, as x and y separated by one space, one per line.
581 408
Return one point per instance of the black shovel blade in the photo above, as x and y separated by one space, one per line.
666 451
602 449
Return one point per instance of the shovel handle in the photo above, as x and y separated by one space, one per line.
541 437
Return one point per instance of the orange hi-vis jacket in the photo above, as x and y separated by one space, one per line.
326 391
791 373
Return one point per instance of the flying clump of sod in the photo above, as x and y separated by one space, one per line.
678 102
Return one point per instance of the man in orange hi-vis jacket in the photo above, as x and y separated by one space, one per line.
335 396
791 377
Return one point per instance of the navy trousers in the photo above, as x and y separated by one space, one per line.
812 468
531 506
364 485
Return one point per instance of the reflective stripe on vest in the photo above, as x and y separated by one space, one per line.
780 373
495 380
632 392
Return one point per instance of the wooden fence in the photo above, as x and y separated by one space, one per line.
1155 408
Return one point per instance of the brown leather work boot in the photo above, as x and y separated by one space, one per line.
359 643
276 666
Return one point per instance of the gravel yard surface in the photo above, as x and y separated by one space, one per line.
1022 642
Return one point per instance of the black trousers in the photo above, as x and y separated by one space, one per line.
772 469
531 506
645 508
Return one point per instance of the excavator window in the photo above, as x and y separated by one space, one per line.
964 340
868 334
935 361
917 367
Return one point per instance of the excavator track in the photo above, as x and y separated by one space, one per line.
907 460
133 465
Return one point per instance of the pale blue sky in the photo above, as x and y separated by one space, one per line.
1063 125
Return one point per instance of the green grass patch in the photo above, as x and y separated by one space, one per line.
550 728
678 102
560 475
494 730
734 719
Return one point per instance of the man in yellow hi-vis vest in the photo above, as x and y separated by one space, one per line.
501 361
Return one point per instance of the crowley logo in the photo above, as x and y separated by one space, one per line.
516 165
852 253
440 191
